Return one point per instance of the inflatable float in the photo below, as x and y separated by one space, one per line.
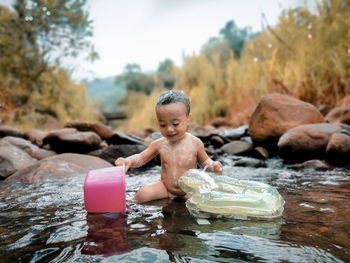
220 196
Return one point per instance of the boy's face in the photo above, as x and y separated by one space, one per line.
173 121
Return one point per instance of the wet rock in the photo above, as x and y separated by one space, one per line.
312 164
119 138
112 152
100 129
62 165
306 142
338 149
339 115
203 133
248 162
13 159
234 134
25 145
276 113
72 140
6 130
35 136
236 148
259 153
216 141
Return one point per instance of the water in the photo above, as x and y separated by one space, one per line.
47 222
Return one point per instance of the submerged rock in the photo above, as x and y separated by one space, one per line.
312 164
62 165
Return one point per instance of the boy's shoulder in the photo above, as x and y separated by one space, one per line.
194 138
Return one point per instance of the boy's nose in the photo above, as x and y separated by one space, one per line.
170 129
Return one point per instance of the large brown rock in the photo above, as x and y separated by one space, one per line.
72 140
13 159
338 149
276 113
68 164
100 129
306 142
339 115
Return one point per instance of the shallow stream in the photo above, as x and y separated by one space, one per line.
47 222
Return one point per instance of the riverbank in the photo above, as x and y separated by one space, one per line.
280 126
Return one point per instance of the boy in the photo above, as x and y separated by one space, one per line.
179 150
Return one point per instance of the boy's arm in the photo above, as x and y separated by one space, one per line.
204 160
139 159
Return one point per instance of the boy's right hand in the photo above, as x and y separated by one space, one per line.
120 161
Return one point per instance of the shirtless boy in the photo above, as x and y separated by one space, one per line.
179 150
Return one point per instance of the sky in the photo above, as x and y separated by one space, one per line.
147 32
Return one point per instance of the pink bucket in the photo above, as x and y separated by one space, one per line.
104 190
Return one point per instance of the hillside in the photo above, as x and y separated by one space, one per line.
104 90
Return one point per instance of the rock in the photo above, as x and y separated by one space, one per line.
234 134
6 130
276 113
25 145
216 141
62 165
119 138
71 140
259 152
312 164
13 159
236 148
112 152
338 149
339 115
306 142
100 129
248 162
35 136
203 133
219 122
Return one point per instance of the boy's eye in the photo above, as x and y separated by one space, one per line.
162 125
175 124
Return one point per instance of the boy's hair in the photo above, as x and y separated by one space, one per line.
173 96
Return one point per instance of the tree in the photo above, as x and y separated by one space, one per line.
36 34
236 37
134 80
165 76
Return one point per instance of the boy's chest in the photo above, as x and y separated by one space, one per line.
181 156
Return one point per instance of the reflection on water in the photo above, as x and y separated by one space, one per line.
47 222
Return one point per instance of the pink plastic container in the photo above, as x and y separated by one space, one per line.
104 190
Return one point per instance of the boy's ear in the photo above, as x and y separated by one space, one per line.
189 117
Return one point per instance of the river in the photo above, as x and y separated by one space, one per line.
47 222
